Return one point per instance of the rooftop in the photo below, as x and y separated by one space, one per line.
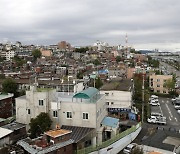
4 132
111 122
57 133
5 96
87 93
14 126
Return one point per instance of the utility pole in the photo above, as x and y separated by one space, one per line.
143 98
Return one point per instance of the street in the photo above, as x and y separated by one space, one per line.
167 109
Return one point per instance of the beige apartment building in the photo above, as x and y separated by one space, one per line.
156 83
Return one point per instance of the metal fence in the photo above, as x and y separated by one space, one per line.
110 141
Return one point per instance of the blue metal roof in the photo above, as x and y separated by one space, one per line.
111 122
87 93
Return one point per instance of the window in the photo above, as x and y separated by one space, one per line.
158 91
69 115
158 85
40 102
106 94
85 116
112 103
107 103
164 92
28 111
55 114
158 80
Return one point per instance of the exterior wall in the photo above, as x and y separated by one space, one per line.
77 110
67 149
10 54
46 53
31 101
118 99
4 141
6 107
156 82
130 73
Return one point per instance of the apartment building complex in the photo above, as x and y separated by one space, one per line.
157 83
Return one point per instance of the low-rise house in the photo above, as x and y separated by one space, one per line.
5 136
18 131
53 141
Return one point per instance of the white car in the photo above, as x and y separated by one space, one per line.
177 107
178 111
156 114
129 148
154 97
152 119
154 103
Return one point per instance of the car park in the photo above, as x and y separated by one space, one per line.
129 148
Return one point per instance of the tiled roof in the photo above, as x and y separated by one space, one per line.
78 133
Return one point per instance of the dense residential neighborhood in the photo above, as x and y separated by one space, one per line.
99 98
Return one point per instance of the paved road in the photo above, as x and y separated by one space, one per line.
168 110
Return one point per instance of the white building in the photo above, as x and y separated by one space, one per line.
83 109
119 104
10 54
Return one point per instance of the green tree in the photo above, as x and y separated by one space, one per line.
98 83
9 86
118 59
2 59
19 61
170 84
40 124
96 62
80 75
36 54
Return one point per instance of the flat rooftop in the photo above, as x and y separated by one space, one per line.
57 133
5 96
121 85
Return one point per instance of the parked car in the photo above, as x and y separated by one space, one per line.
178 111
129 148
157 114
154 103
177 106
152 119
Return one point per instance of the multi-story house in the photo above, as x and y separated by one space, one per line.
157 83
85 109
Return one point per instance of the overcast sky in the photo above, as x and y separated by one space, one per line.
149 24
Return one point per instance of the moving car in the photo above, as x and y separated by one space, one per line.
129 148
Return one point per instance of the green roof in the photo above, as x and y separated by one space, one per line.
87 93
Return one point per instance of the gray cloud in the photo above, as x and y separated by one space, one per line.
149 24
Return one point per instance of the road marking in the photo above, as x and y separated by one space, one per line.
169 111
167 101
163 101
160 109
176 119
169 118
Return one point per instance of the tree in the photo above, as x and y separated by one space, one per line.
36 54
40 124
9 86
96 62
118 59
170 84
98 83
19 61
